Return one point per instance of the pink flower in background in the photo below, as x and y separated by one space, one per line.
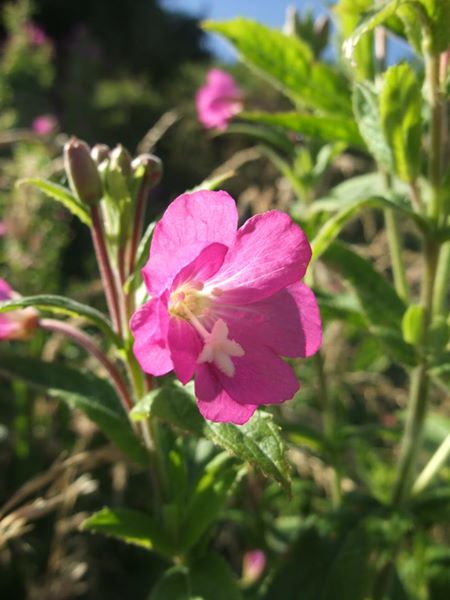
226 304
219 100
44 124
253 565
17 324
35 34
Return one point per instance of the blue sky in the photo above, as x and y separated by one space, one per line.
270 12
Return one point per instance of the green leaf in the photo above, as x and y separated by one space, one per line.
400 112
334 225
412 324
173 585
367 114
61 305
267 135
208 578
213 183
438 12
208 499
374 17
130 526
380 304
326 128
257 442
61 194
287 63
95 397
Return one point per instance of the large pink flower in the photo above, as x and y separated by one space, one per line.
219 100
226 304
17 324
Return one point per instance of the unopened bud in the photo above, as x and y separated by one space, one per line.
121 160
82 172
99 153
148 167
17 324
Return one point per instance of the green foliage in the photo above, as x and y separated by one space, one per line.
257 442
60 194
130 526
400 113
326 128
379 302
287 62
93 396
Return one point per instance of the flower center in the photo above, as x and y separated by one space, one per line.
188 300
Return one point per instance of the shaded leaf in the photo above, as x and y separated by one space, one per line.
62 195
95 397
380 304
130 526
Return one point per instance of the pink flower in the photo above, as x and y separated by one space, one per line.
219 100
35 34
226 304
44 124
17 324
253 565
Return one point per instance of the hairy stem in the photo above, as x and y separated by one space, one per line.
395 249
106 271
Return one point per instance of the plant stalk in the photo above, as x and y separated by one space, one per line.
433 466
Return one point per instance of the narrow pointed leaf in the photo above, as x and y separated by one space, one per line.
62 195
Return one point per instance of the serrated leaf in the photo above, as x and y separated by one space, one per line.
380 304
367 114
257 442
61 305
130 526
95 397
400 113
287 63
326 128
60 194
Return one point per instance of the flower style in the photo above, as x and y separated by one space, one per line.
226 304
44 124
17 324
219 100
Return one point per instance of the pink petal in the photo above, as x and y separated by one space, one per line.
190 223
6 292
204 266
288 322
261 377
213 401
270 253
185 346
149 326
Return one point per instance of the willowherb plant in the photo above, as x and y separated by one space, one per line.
228 306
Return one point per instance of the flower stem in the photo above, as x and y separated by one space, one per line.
432 68
138 224
432 468
440 302
85 341
417 406
395 249
106 272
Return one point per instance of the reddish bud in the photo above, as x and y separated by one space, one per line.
149 167
82 173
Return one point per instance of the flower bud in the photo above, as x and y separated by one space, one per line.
149 167
253 565
121 161
16 324
82 172
99 153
